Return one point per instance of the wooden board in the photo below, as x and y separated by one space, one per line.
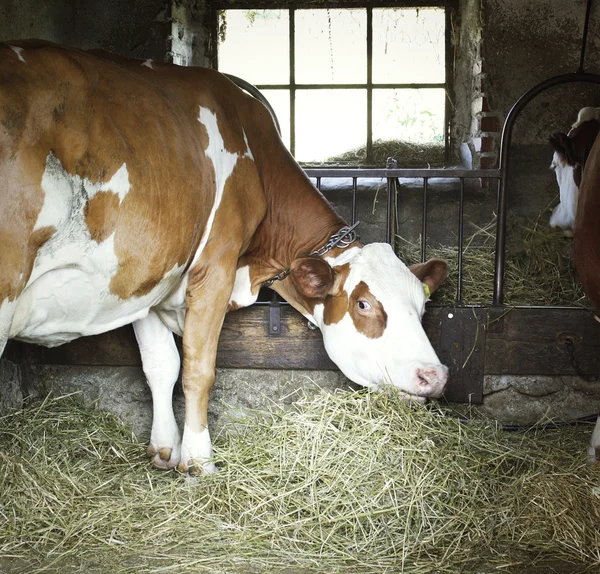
522 342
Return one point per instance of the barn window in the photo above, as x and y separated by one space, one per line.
350 85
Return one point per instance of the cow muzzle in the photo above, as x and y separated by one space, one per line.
429 380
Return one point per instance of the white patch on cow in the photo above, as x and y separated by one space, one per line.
172 309
148 64
118 184
68 293
564 213
223 164
18 51
65 194
242 294
594 443
7 310
402 356
196 448
161 364
248 150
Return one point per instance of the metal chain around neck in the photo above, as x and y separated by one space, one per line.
342 239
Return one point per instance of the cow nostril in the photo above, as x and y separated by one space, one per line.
423 379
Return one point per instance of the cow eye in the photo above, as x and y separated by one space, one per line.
364 305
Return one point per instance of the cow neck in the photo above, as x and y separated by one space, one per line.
298 219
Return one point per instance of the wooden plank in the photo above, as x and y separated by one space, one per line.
532 342
244 343
528 343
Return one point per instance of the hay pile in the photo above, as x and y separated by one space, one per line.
355 482
539 267
412 154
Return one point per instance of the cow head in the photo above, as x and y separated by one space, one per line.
368 305
570 151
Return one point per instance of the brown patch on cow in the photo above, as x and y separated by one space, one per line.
101 214
373 322
336 305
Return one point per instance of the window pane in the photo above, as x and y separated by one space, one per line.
255 45
409 115
280 102
408 45
331 46
329 123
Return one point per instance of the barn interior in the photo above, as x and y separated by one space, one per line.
518 362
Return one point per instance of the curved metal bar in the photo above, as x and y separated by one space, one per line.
585 34
254 91
509 123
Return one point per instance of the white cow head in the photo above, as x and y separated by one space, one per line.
570 151
368 305
563 215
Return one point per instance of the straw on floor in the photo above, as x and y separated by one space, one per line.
354 481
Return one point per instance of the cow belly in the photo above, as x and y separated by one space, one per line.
67 303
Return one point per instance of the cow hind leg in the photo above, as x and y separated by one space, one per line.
161 362
594 448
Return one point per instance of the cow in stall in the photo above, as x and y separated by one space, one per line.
150 194
582 146
570 151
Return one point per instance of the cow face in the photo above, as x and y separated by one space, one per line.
570 152
369 307
568 176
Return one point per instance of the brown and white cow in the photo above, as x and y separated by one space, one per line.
582 146
586 246
570 151
162 196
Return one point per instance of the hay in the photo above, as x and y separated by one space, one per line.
539 267
412 154
355 482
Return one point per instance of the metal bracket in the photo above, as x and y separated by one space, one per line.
462 349
274 319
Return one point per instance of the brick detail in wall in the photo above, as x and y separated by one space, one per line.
486 127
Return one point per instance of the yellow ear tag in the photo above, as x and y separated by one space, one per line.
427 290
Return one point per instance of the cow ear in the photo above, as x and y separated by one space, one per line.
431 273
312 276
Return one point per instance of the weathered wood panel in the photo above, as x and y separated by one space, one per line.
532 342
244 343
473 343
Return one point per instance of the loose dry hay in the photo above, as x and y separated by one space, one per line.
356 482
539 267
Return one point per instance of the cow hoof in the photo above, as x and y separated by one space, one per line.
163 458
196 468
593 455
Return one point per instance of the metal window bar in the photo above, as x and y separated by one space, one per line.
369 86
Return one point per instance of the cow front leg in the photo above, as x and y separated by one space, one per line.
594 448
161 363
207 300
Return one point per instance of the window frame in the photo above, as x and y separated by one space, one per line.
450 6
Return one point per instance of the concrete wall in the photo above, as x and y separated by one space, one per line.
137 28
510 46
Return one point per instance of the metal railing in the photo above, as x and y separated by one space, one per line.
392 174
